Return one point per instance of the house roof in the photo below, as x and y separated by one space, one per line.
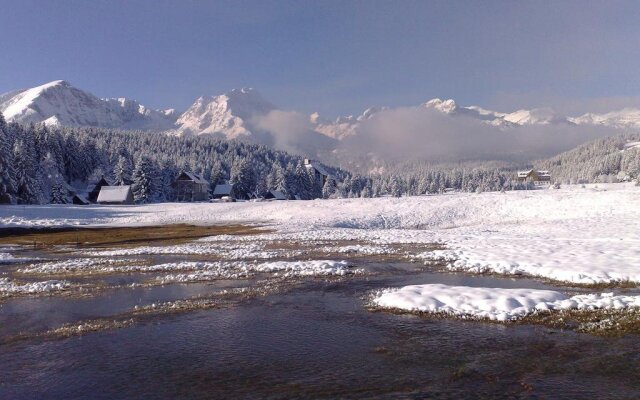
524 174
318 167
113 194
82 198
91 185
194 177
223 189
278 195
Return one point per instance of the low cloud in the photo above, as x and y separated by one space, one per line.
291 131
425 134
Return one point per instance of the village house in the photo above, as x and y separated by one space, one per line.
93 189
537 177
275 195
79 199
189 186
319 171
115 195
224 191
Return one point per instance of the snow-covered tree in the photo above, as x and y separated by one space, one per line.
28 184
122 171
143 180
329 188
7 172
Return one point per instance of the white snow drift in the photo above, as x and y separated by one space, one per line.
8 286
493 303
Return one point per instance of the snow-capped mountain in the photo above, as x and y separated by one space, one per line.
59 103
625 118
345 126
235 114
229 114
536 116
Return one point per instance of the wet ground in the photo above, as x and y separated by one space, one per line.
301 337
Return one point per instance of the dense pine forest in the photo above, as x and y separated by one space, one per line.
40 164
609 159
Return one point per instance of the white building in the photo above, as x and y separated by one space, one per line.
115 195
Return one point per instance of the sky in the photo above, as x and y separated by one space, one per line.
334 57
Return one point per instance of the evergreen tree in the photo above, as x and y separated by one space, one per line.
122 172
397 188
329 188
143 180
28 187
7 172
242 177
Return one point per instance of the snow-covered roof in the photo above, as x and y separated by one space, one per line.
223 189
194 177
318 167
113 194
278 195
525 174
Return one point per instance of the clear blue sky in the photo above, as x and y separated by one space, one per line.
335 57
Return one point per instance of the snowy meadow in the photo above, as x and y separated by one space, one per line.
581 236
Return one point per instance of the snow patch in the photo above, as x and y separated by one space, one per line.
493 303
9 287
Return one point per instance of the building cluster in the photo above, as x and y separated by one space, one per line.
187 186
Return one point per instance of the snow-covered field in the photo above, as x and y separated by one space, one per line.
574 234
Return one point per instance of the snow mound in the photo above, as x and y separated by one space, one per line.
9 287
239 270
307 268
493 303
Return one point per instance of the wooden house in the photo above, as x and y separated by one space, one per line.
79 199
538 177
93 189
275 195
115 195
190 187
320 173
224 190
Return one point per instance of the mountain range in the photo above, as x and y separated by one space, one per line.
244 113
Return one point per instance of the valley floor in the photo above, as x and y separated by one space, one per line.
278 293
582 235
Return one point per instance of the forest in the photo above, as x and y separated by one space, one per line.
41 164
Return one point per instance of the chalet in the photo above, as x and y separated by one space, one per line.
79 199
224 190
93 189
319 171
534 176
191 187
115 195
275 195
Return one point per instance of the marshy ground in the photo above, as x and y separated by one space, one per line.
278 333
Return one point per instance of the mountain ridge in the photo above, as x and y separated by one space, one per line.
241 113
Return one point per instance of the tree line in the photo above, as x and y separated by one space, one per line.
40 164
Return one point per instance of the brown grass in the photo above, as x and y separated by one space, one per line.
119 237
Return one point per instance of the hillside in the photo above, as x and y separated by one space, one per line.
603 160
